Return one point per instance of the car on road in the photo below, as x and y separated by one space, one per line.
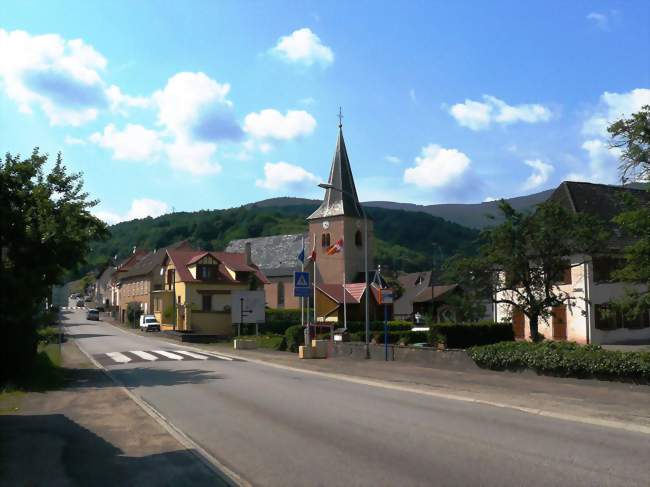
92 314
149 323
80 303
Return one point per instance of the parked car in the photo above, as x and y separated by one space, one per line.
92 314
80 303
149 323
88 299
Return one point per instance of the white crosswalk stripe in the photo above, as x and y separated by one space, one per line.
192 354
119 357
170 355
144 355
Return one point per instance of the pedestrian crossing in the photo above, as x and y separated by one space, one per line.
136 356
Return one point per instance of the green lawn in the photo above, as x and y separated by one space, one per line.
265 341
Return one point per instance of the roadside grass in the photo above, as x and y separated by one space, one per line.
45 374
270 341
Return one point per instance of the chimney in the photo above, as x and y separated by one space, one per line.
247 253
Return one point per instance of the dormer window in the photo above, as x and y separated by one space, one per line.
206 272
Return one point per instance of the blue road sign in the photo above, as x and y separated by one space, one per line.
301 285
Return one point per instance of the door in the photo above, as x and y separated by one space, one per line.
559 322
518 324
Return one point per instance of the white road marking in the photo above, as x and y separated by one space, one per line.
168 354
192 354
119 357
144 355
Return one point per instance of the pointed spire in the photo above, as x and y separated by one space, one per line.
337 203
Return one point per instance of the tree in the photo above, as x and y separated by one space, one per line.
45 229
522 260
632 136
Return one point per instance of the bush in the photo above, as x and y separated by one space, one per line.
278 320
564 359
133 313
360 326
394 337
464 335
48 334
294 336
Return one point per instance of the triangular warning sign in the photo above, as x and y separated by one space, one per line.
301 281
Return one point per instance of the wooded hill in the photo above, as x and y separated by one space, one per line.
404 239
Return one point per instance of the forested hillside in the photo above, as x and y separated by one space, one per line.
405 239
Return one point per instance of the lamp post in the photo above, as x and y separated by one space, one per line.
365 259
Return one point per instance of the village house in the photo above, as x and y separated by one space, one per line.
197 287
589 281
136 284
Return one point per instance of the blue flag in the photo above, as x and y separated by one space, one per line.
301 256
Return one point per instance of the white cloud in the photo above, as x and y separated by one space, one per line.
270 123
614 106
477 115
193 157
603 161
119 101
69 140
437 167
600 20
304 47
307 101
61 77
393 159
489 198
134 143
140 208
540 175
282 175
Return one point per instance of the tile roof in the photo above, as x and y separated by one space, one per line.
276 255
353 292
185 257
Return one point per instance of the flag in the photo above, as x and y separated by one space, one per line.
301 256
312 256
337 247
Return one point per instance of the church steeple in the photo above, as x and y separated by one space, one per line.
337 203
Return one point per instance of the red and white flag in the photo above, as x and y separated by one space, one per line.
337 247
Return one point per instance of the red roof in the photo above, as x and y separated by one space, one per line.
353 292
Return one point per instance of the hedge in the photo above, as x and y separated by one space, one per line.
564 359
465 335
294 337
278 320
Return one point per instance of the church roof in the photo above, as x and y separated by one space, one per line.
340 203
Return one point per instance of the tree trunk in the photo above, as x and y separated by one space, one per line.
534 333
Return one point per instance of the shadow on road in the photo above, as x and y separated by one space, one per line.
54 450
137 377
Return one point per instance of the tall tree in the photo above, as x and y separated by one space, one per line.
45 228
632 136
522 260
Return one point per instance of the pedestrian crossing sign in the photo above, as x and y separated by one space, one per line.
301 284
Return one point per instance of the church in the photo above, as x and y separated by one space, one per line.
335 246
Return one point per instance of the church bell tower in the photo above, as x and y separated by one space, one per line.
340 217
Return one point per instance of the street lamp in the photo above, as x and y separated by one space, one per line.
365 259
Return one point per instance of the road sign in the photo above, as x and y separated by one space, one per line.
301 285
247 307
386 296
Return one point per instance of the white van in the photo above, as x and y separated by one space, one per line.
149 323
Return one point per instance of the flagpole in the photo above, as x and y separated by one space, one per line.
315 257
345 308
302 268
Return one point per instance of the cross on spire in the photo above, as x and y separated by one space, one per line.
340 115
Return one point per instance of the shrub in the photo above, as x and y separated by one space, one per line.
464 335
360 326
394 337
278 320
295 336
565 359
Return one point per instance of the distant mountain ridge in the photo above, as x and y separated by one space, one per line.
472 215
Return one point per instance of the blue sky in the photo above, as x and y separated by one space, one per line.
198 105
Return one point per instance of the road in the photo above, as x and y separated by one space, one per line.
284 428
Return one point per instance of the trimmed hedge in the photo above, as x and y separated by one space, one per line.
360 326
564 359
465 335
278 320
294 337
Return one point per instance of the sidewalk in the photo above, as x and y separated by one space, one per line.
90 433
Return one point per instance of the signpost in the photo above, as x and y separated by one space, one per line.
301 285
386 298
247 307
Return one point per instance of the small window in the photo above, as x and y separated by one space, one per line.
280 295
358 239
179 299
207 302
606 318
325 240
604 268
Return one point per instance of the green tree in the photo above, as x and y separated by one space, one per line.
522 260
45 229
632 136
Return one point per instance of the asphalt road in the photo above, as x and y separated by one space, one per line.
285 428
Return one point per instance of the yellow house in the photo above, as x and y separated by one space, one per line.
197 287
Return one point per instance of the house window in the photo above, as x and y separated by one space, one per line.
170 279
640 321
207 302
179 299
325 240
358 239
280 295
604 267
606 318
565 276
156 305
206 272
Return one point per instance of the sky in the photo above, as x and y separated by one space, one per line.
180 106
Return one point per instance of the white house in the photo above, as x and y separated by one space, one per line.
589 281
